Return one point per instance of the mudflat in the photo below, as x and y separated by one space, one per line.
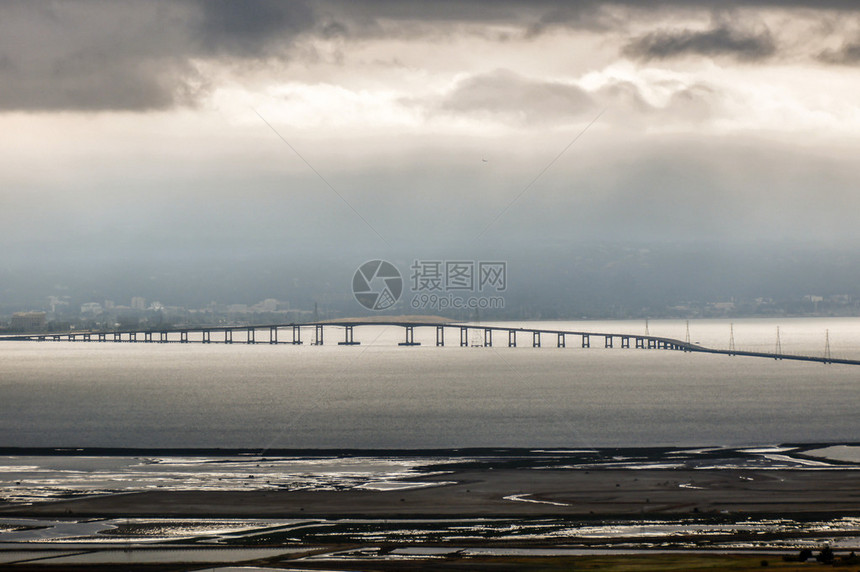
508 493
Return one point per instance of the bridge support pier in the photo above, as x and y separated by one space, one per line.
273 335
228 336
147 337
562 342
586 341
56 338
132 336
183 336
207 336
297 335
488 338
347 337
162 337
640 343
464 337
251 338
440 336
318 334
652 343
535 339
86 337
410 337
512 338
625 342
607 342
102 337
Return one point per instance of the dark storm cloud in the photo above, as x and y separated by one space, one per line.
514 11
719 41
250 29
125 55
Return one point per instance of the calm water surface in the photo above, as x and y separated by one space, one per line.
378 395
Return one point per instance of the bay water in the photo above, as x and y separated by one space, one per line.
378 395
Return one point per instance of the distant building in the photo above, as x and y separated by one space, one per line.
27 321
267 305
55 301
91 308
138 303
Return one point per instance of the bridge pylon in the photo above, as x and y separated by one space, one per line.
410 337
348 339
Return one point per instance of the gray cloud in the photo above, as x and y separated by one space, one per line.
80 55
505 93
121 55
847 54
511 98
722 40
92 82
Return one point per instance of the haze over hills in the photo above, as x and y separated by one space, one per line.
550 281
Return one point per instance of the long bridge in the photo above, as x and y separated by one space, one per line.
510 336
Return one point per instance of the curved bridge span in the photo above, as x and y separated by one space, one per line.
462 333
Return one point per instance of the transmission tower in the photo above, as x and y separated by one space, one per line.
778 343
647 333
732 337
687 338
827 346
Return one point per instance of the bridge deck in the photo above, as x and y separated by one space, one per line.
641 341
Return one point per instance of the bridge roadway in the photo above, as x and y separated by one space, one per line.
169 335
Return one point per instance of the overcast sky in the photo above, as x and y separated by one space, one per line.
190 127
